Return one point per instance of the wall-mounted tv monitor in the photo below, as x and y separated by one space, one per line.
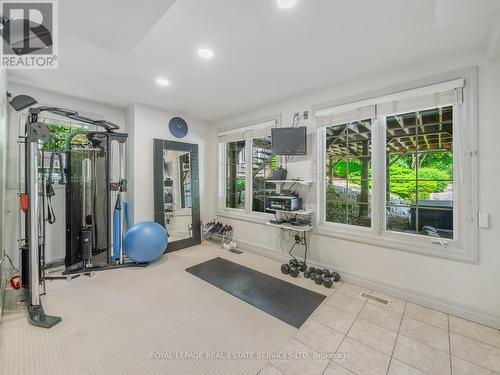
289 141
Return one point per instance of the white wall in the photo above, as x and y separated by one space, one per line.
464 289
55 249
144 125
3 164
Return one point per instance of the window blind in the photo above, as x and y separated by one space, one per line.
438 95
435 100
329 118
258 130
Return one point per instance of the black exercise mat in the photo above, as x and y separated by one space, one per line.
287 302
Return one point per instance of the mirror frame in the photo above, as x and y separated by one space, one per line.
159 214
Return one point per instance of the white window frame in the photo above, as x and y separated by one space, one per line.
464 246
223 175
242 213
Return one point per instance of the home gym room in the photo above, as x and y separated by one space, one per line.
271 187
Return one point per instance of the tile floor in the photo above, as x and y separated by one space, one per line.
349 334
111 326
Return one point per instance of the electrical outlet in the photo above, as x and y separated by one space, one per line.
484 220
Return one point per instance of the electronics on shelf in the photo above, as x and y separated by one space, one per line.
298 222
283 203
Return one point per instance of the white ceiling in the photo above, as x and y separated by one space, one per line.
115 25
263 53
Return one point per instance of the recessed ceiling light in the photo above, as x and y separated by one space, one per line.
287 4
162 82
206 53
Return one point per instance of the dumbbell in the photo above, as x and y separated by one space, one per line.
310 273
294 272
327 274
312 270
318 279
328 282
285 268
302 266
335 276
293 262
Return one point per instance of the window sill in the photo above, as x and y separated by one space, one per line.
420 246
252 217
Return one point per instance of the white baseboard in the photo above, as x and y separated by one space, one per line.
262 250
434 302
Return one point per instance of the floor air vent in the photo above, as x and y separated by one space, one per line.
383 301
236 251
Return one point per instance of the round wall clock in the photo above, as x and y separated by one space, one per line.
178 127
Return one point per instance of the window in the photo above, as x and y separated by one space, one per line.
60 130
399 171
235 174
248 162
348 172
419 174
263 163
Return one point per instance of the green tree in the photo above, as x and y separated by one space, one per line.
435 173
59 135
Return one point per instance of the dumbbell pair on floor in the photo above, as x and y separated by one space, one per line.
325 277
293 268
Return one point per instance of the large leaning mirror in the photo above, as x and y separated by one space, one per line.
176 192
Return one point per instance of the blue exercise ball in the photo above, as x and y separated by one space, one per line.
145 242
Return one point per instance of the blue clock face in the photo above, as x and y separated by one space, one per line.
178 127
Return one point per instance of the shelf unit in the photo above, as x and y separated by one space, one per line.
223 238
303 212
228 237
287 226
300 182
300 230
296 228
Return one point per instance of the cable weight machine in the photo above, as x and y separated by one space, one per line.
91 245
